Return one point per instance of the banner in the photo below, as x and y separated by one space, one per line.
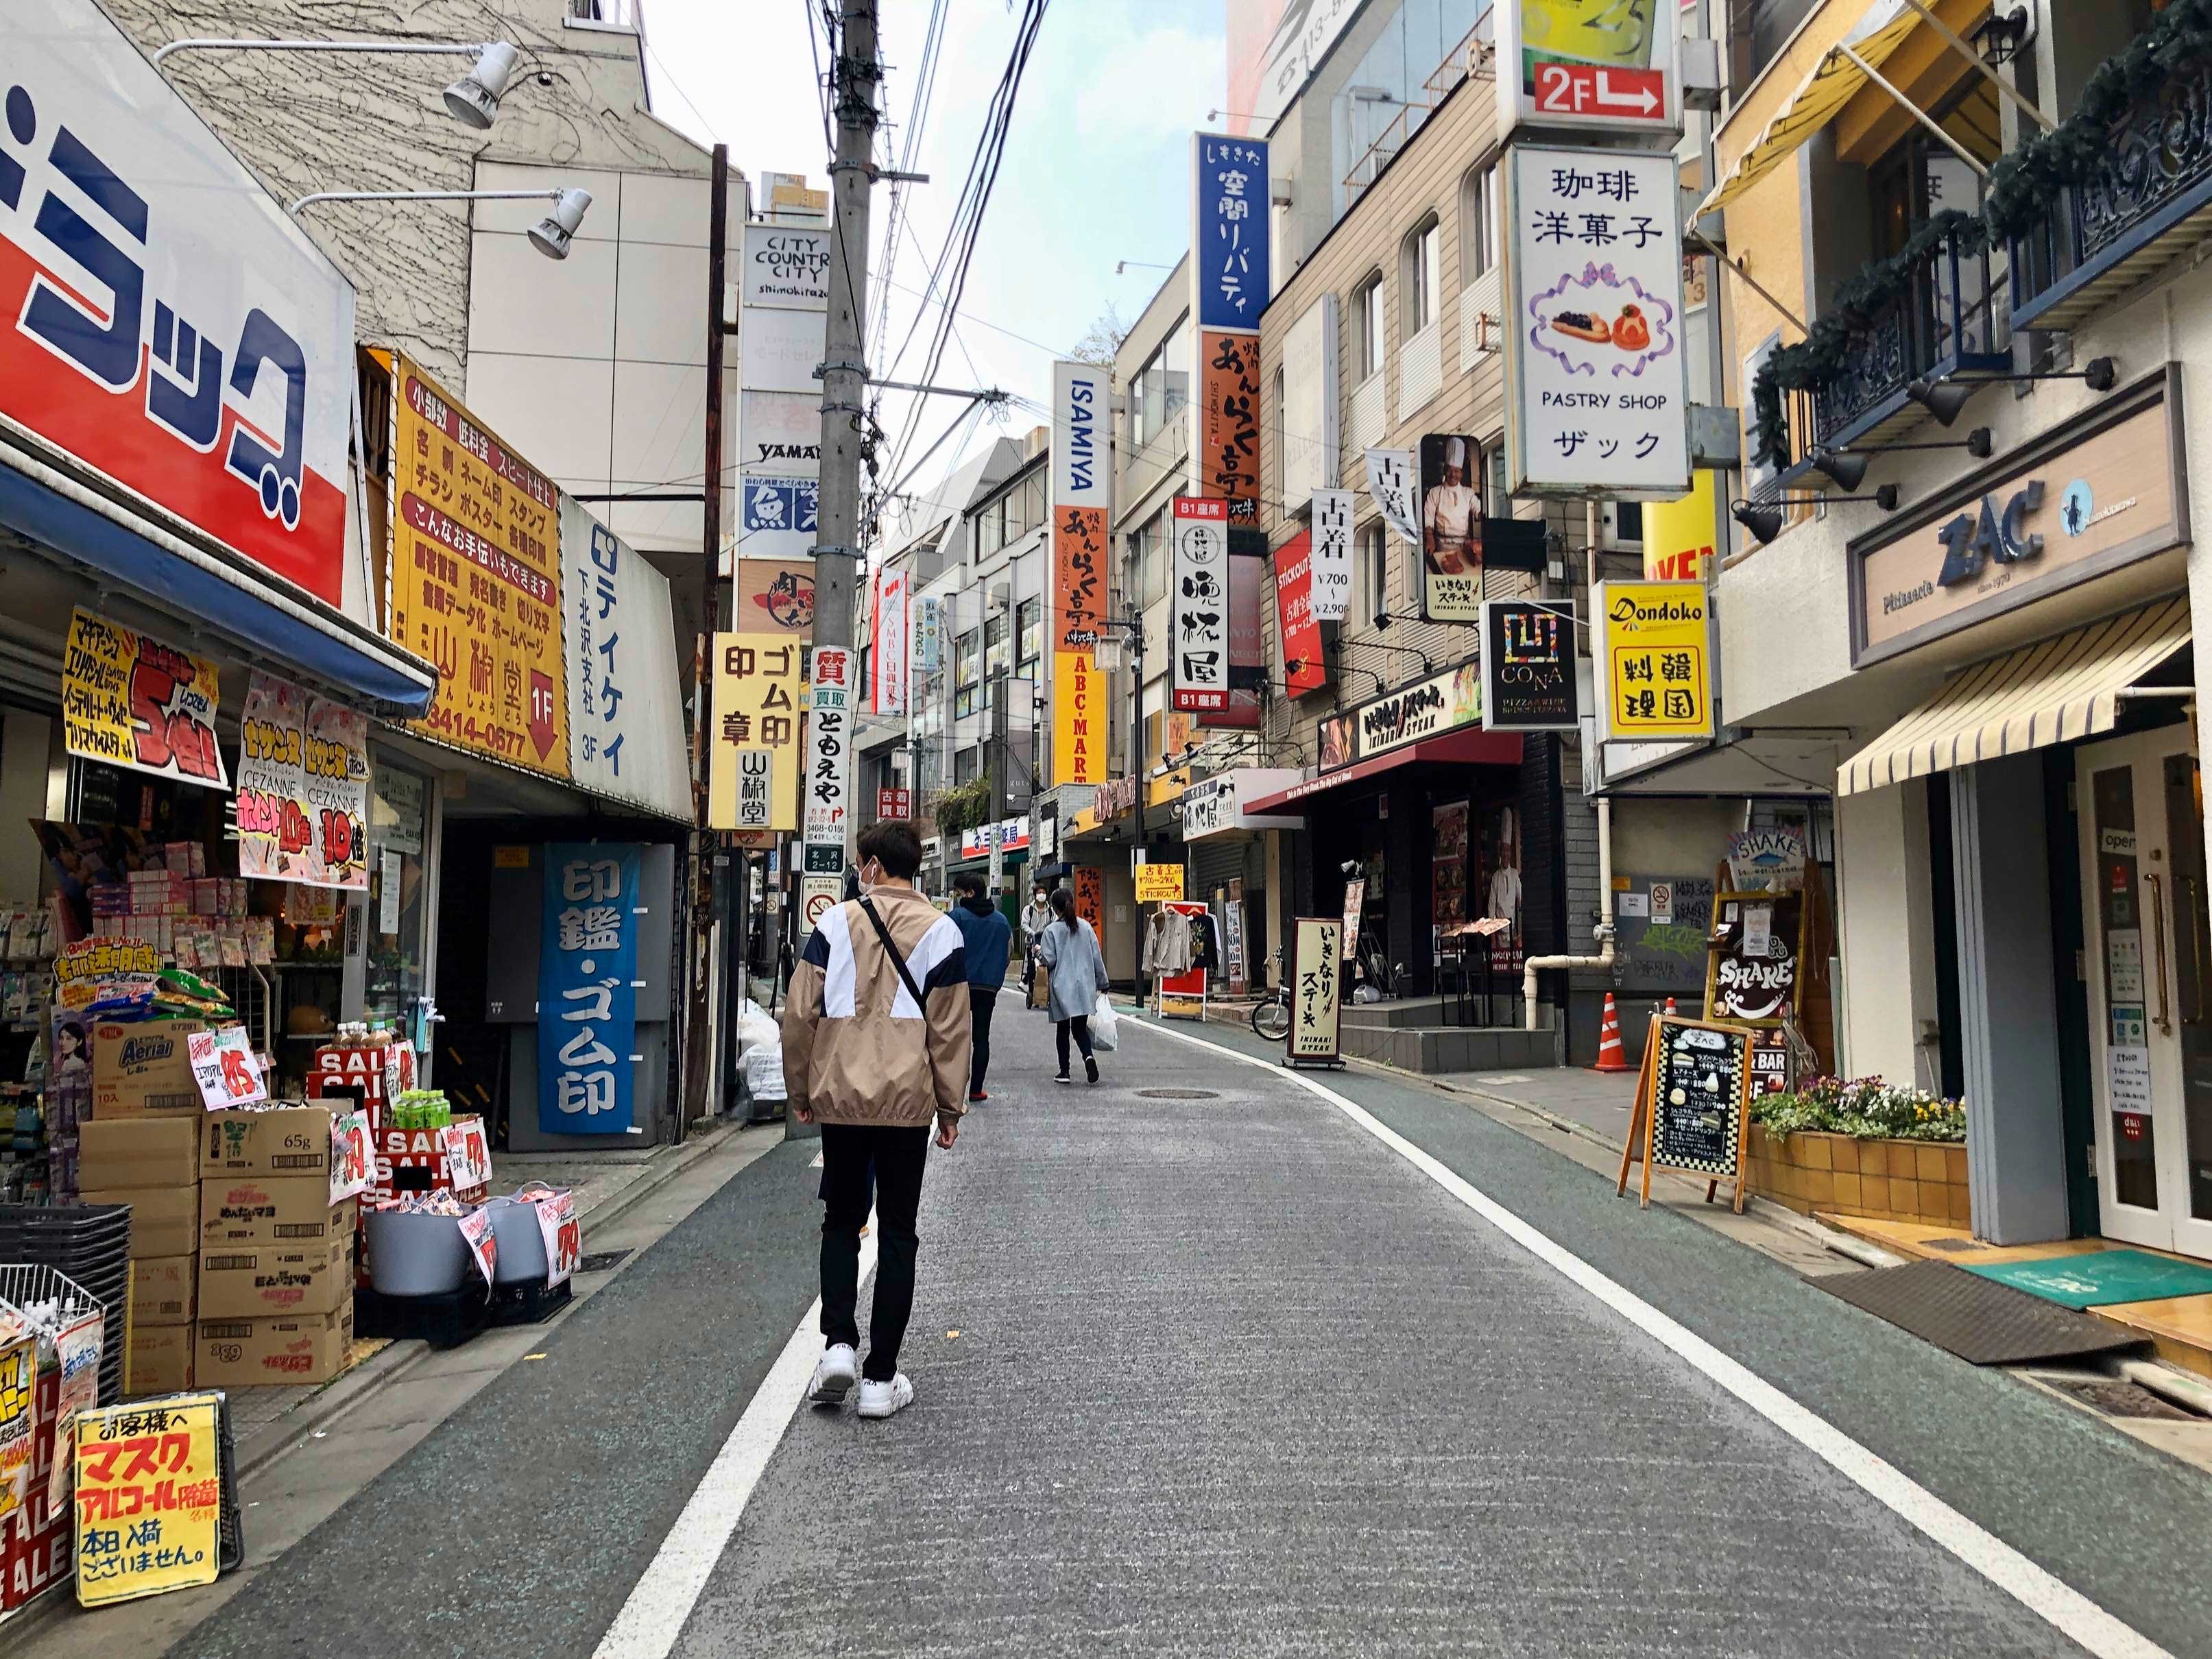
1442 702
1451 529
476 580
1332 554
1078 718
150 1471
1303 667
928 635
129 700
625 708
1230 264
1656 649
1082 498
753 769
828 758
889 648
1225 451
1198 643
302 787
1390 480
587 988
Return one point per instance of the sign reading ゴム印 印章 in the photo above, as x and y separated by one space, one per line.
586 989
476 580
753 773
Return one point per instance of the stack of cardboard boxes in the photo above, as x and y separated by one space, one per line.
153 1164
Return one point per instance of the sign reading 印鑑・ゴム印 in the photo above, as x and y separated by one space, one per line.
586 994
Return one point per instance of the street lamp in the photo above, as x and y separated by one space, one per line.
550 235
473 100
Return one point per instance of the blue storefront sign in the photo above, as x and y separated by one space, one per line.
1229 243
587 988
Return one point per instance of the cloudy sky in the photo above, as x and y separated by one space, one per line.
1096 168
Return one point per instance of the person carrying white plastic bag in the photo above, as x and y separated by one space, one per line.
1069 950
1103 1035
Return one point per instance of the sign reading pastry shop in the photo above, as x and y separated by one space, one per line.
2099 493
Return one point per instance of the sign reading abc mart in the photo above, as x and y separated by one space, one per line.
164 323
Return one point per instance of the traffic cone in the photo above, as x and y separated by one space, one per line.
1670 1007
1611 1056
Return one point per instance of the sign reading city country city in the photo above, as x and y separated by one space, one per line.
1655 660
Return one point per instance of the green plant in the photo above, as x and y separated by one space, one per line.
964 806
1865 1109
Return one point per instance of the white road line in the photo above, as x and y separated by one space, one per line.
660 1603
2065 1608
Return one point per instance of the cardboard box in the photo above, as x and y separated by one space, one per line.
143 1069
114 1154
162 1289
164 1220
262 1282
260 1210
158 1360
310 1348
290 1143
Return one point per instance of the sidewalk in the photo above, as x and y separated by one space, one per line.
1600 1103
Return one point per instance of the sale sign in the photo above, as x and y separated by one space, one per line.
302 788
224 1068
476 1229
130 700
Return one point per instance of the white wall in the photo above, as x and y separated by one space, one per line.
1882 874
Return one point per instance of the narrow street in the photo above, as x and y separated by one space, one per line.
1228 1370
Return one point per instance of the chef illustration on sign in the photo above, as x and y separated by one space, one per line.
1451 517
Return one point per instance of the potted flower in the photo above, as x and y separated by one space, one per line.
1863 1147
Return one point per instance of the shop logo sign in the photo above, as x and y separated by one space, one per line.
2076 506
1993 536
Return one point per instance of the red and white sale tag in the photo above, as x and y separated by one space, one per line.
224 1068
476 1227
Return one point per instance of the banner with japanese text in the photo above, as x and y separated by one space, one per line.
302 787
1198 605
1304 669
1081 502
626 738
752 778
1332 511
1079 718
476 580
1231 270
828 760
148 1497
1225 451
889 655
130 700
1451 528
587 988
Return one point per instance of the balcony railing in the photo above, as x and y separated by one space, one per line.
2146 199
1941 322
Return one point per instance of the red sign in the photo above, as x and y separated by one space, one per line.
894 804
1228 458
1304 669
1632 94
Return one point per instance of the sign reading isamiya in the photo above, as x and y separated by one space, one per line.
130 700
302 787
476 580
148 1497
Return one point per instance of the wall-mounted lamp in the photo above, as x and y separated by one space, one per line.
1945 399
1764 518
550 235
1848 467
2000 39
473 100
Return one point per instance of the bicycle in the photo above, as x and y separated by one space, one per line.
1271 1018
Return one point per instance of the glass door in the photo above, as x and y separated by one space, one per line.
2149 947
395 928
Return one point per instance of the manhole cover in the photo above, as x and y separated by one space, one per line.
1179 1094
600 1261
2115 1398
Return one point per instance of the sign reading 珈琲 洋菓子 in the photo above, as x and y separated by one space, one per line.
587 976
752 778
475 579
1198 605
129 699
1596 399
1656 658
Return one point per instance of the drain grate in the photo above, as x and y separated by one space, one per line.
2115 1398
1954 1246
1179 1094
601 1262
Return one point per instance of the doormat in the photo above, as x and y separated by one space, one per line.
2100 1278
1981 1322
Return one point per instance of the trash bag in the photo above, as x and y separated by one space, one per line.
1103 1019
755 1026
763 1069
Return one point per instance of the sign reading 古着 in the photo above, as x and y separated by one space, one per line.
130 700
1597 401
476 580
1316 989
1332 554
587 988
787 268
148 1497
625 709
1587 65
1157 883
1528 666
302 787
829 737
1656 651
1198 605
753 775
1390 480
894 805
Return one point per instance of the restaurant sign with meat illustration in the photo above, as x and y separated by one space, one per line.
1596 399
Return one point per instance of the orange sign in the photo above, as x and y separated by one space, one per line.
1079 592
1091 899
1227 457
1078 718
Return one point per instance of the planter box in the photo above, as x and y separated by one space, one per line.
1921 1181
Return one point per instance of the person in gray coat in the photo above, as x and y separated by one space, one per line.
1069 950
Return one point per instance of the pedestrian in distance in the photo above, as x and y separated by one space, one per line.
1069 950
988 939
875 1047
1036 916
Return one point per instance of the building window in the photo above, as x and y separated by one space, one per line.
998 656
1478 222
1495 502
968 764
1029 638
1162 386
1367 320
968 671
1423 275
1148 560
1374 570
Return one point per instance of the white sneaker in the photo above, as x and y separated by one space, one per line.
882 1399
839 1370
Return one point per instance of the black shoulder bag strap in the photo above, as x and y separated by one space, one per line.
906 975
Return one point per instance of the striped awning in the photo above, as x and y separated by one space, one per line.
2052 692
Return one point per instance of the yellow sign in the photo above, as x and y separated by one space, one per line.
1156 883
129 700
1658 657
753 769
1078 718
476 580
1678 536
148 1497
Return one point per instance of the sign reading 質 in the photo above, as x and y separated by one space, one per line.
1657 652
302 787
129 700
587 988
1199 605
753 778
828 753
1597 401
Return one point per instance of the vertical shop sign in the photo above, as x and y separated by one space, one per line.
1316 989
1078 718
1091 899
928 635
1332 554
777 514
130 700
1658 642
1079 555
1304 669
1528 666
887 643
625 709
776 596
1225 458
1229 239
1199 611
1451 529
753 781
1584 65
148 1497
476 580
1597 401
302 787
894 805
1390 480
828 737
1082 500
586 990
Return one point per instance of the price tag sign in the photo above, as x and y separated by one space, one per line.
476 1228
224 1068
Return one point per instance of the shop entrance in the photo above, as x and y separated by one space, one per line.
2142 801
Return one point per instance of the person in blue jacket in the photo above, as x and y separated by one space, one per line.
988 940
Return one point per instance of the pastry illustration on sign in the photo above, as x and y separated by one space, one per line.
1599 307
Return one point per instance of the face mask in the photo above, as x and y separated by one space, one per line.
866 885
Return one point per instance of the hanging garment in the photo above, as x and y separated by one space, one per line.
1205 946
1171 952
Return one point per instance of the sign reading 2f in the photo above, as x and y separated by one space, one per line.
166 323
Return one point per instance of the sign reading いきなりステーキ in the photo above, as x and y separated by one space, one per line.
1656 645
752 780
130 700
587 997
1316 989
476 580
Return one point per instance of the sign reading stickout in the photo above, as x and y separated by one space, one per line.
130 700
1597 399
1332 554
1657 652
1451 529
224 1069
587 988
1199 605
1303 667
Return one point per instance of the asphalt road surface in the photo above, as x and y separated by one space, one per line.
1237 1374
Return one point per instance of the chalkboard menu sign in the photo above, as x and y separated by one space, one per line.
1759 941
1529 666
1693 1103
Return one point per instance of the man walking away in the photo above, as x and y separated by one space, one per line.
1035 918
988 939
1069 950
876 1045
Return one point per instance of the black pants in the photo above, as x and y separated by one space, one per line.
1081 1026
855 1156
983 1000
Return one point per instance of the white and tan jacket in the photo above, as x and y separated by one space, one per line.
855 1048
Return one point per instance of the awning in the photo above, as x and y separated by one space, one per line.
1473 746
2055 692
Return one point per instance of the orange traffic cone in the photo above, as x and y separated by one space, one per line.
1611 1055
1670 1007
